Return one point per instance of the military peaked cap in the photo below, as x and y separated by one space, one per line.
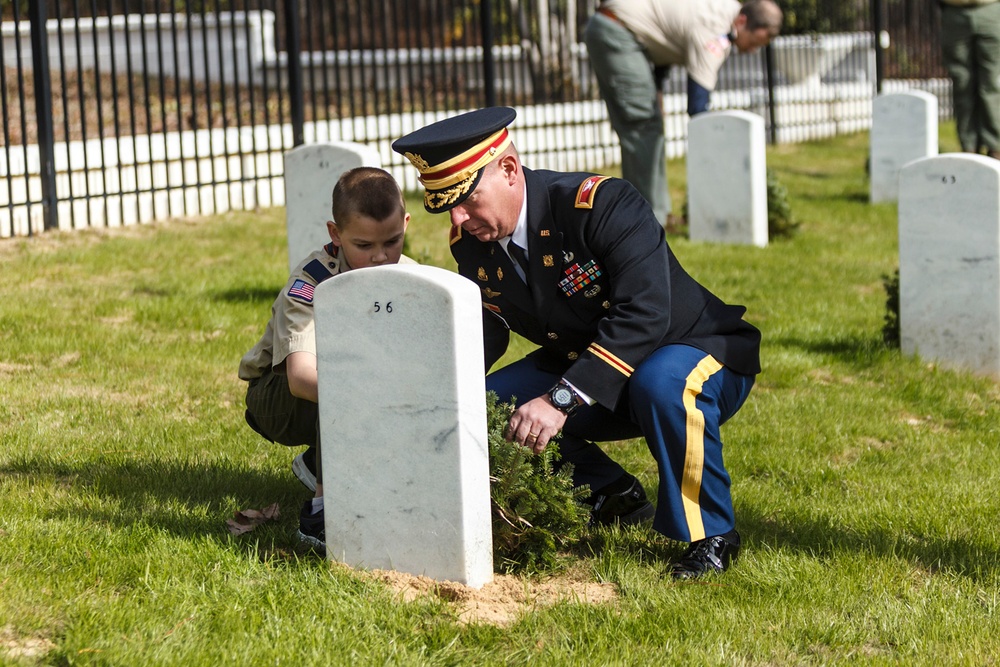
451 153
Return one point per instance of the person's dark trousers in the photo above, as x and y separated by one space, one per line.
677 399
281 417
970 42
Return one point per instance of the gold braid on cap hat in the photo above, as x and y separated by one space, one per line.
453 178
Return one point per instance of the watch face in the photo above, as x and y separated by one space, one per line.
562 397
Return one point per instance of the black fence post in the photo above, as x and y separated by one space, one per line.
293 49
43 111
878 27
771 112
489 67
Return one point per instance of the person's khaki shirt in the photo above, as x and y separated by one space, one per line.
692 33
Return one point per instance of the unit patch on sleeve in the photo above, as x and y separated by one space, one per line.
585 195
302 291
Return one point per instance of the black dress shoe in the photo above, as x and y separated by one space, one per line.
623 502
713 554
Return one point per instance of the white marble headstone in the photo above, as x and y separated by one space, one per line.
311 171
727 178
949 246
904 128
402 405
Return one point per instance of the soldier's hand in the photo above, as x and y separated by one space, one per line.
535 423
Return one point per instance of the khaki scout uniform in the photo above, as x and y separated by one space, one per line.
271 409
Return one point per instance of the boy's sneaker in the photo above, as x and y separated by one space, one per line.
312 529
304 467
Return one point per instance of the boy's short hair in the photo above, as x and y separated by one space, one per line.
370 191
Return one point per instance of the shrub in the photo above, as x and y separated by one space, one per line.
890 331
537 513
780 221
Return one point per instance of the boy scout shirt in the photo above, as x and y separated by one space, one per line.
604 289
292 327
692 33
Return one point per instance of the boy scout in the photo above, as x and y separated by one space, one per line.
369 222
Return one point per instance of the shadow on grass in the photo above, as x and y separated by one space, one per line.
859 351
248 294
190 499
934 554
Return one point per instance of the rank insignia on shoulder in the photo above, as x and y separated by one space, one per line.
454 234
585 194
302 291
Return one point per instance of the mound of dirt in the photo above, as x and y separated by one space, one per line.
504 599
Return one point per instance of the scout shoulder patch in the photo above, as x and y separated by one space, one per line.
317 271
585 194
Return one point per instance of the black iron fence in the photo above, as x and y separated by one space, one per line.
122 111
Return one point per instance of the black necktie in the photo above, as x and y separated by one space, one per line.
517 254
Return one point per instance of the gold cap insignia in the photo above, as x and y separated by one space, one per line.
417 161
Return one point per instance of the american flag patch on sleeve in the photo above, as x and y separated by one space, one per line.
302 290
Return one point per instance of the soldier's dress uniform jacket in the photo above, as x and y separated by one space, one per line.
604 295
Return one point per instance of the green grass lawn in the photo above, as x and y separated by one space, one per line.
865 482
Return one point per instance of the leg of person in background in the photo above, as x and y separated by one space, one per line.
629 90
957 51
986 24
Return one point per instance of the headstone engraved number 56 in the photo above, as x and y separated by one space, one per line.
387 307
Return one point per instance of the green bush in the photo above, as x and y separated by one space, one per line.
780 221
890 330
537 513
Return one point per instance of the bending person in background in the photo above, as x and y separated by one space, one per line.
633 43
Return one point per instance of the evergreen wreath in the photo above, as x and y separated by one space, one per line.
538 515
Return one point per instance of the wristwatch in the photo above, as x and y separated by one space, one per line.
564 398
